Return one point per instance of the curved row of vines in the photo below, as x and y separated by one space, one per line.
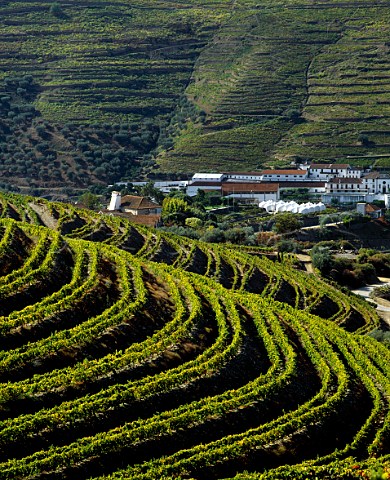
131 354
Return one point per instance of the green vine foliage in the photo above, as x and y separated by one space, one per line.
175 358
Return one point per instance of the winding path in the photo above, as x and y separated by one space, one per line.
382 305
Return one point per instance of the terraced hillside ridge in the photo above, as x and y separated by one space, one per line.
93 92
290 80
85 86
178 360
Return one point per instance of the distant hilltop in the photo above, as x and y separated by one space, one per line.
94 93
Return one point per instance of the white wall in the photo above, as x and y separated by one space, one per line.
274 177
350 197
255 196
192 190
115 202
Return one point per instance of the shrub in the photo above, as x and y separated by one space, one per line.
215 235
56 10
364 254
122 138
364 140
382 336
382 292
289 246
42 147
294 115
286 222
366 273
193 222
381 263
239 235
322 259
41 131
185 232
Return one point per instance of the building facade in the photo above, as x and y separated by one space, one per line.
285 175
326 171
254 192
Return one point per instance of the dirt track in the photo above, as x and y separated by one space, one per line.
383 306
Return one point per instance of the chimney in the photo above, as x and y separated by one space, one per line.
115 202
361 208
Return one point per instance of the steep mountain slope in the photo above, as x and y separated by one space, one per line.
93 91
85 86
292 79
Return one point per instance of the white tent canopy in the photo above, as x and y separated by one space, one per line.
291 207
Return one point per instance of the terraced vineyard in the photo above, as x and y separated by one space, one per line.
84 87
100 91
288 79
128 353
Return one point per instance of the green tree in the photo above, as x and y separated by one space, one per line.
286 222
294 116
200 197
150 191
289 246
175 210
56 10
364 140
193 222
322 259
214 235
89 200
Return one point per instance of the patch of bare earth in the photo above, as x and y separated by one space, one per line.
44 214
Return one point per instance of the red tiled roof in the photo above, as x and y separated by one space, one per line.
372 208
346 180
329 165
245 173
284 172
205 184
372 175
249 187
137 203
148 220
302 184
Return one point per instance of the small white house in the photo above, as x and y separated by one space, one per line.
133 204
372 211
